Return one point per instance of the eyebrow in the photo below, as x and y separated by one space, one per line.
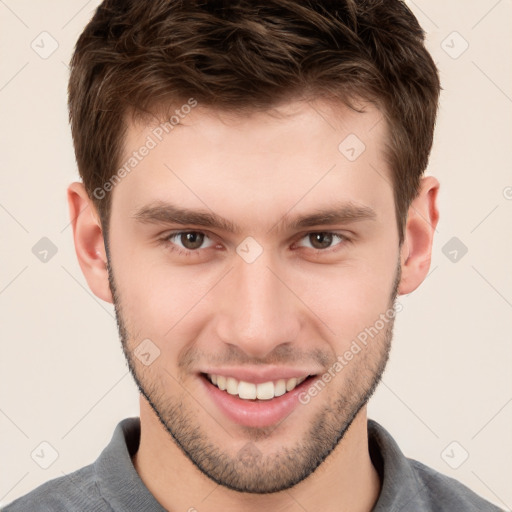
168 213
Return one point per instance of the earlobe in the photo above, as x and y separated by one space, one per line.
88 239
416 251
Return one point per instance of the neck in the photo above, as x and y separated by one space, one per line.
346 480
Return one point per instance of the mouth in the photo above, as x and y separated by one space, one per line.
251 391
252 404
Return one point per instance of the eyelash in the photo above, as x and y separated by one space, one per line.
197 252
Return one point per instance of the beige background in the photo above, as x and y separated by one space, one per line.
63 377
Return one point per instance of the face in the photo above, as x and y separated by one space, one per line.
257 253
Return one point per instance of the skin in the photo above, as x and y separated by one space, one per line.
291 307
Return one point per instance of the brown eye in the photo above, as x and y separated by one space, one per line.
188 243
324 241
321 240
191 240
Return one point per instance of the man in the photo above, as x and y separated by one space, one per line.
253 202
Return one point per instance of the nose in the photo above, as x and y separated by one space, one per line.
257 311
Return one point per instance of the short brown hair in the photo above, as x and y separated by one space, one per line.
238 55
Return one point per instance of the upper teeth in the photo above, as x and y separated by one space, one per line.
250 391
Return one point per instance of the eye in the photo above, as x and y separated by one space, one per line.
186 242
189 243
322 241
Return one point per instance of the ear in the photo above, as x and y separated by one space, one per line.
88 238
416 251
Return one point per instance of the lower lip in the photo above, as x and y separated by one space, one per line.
257 413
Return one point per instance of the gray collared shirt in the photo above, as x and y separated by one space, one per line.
111 483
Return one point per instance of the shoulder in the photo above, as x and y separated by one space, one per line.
445 494
76 491
408 484
110 482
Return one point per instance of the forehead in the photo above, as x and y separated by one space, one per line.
300 155
319 122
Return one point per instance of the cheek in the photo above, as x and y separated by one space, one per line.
349 298
162 302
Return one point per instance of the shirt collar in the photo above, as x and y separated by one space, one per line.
116 477
400 487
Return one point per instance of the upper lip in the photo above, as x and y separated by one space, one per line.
258 375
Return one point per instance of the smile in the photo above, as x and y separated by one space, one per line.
251 391
259 397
